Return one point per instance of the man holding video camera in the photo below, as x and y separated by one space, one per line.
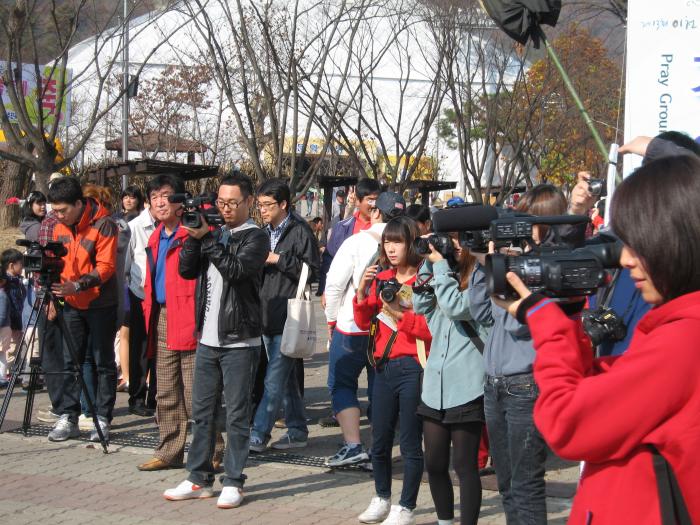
227 263
89 287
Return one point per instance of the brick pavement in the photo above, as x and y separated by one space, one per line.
75 483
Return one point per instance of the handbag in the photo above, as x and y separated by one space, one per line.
299 334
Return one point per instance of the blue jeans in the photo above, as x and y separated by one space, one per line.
347 359
397 386
281 386
232 369
517 448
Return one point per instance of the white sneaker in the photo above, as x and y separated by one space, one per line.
188 490
230 498
400 516
377 511
104 427
85 423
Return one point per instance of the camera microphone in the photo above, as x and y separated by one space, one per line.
464 218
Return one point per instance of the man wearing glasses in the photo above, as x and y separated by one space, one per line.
291 243
227 264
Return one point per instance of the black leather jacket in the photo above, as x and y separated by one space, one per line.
297 245
240 257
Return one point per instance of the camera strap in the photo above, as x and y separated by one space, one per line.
372 343
473 336
673 508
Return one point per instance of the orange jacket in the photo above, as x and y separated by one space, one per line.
91 258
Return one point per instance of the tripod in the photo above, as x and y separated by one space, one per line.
45 297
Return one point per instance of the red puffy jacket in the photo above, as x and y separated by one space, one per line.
607 411
179 293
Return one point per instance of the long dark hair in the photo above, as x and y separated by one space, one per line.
401 229
655 212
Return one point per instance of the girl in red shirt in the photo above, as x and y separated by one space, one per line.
383 305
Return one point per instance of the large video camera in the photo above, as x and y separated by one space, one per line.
561 266
196 208
47 261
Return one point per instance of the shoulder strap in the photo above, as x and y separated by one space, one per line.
302 280
473 336
673 508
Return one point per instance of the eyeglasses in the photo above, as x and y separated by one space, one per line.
221 204
266 205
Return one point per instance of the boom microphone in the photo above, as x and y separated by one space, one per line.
464 218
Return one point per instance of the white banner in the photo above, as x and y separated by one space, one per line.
663 70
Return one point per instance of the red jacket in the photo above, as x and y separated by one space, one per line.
179 293
91 257
606 411
410 327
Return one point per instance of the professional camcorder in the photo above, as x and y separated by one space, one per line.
561 266
46 260
196 208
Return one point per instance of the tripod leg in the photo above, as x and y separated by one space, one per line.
22 356
70 343
29 405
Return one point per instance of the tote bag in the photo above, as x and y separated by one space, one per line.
299 334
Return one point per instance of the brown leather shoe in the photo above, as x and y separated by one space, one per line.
156 464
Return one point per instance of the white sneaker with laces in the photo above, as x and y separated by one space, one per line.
230 498
400 516
377 511
188 490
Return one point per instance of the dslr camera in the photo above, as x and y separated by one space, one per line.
389 289
196 208
46 261
441 241
603 325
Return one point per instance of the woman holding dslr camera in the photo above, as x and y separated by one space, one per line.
386 311
452 401
634 418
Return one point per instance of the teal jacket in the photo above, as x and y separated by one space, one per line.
454 373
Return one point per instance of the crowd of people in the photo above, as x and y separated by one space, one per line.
190 321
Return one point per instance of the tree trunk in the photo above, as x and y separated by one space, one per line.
13 184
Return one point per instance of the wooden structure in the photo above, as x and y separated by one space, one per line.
154 142
425 187
150 167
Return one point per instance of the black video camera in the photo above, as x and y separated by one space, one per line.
441 241
603 324
196 208
47 261
556 270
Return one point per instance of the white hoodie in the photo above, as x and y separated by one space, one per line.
352 258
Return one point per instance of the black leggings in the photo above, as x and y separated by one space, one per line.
465 449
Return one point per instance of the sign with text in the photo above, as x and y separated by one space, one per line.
663 70
44 89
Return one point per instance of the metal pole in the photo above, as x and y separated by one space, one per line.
125 96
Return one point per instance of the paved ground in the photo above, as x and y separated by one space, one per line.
75 483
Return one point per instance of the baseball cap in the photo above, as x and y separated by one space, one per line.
390 204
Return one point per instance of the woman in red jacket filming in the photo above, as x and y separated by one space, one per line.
386 311
633 419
